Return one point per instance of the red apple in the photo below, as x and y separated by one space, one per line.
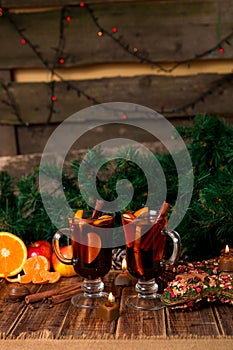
65 270
40 248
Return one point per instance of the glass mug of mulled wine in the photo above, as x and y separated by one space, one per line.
146 235
91 239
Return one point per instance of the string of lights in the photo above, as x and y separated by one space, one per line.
61 57
134 51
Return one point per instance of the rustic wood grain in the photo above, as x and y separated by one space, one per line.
159 93
5 75
81 323
224 317
33 139
139 323
172 31
40 316
7 141
48 3
11 312
21 321
197 323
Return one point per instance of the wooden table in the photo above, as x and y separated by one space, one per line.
63 321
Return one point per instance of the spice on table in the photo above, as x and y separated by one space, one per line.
226 261
60 294
108 310
122 279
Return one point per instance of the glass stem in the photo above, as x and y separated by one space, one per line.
92 288
146 289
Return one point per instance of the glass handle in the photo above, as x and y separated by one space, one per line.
176 246
56 249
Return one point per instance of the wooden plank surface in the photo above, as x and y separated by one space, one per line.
41 316
8 145
172 31
202 93
39 320
201 323
11 312
48 3
225 317
81 323
140 324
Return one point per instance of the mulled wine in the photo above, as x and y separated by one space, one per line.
145 237
145 253
91 259
92 254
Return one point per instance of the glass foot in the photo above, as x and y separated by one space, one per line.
148 303
84 301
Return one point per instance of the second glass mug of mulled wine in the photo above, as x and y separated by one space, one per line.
91 239
146 236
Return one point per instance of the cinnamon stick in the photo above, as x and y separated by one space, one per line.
98 206
32 298
153 235
136 250
59 298
158 226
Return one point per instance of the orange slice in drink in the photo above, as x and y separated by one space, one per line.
127 217
104 220
142 212
13 254
93 247
129 228
79 214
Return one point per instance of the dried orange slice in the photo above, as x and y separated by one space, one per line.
36 264
13 254
142 212
93 247
128 217
104 220
79 213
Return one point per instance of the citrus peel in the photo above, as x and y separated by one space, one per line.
13 254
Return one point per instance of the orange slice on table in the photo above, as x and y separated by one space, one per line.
142 212
38 279
93 247
25 278
51 277
13 254
36 264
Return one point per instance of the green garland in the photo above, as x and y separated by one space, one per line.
207 225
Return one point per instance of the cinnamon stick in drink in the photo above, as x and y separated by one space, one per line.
98 206
137 253
158 226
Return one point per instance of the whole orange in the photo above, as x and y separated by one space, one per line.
65 270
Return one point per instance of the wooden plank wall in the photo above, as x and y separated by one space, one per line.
58 57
